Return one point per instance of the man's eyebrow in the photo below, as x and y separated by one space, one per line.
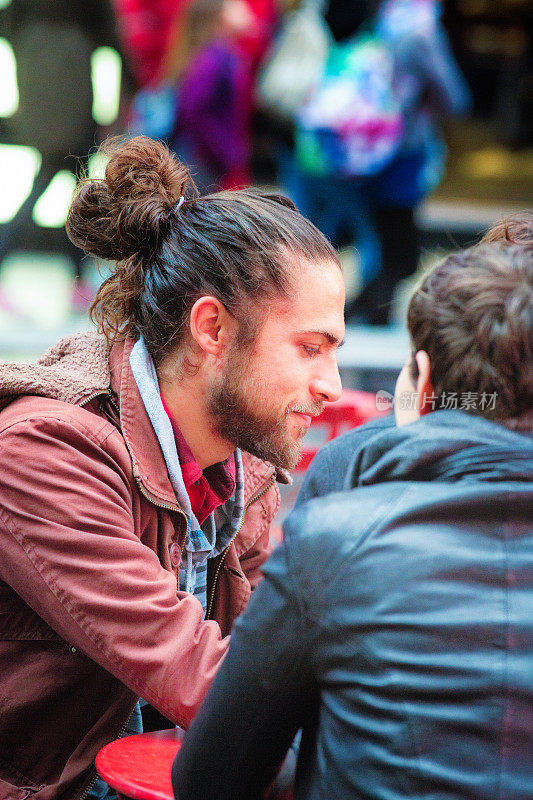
329 337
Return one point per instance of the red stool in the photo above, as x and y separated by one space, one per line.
138 767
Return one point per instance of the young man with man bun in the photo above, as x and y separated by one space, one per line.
138 465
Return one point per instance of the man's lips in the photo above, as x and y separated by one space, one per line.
305 418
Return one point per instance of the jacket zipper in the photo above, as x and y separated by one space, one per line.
94 770
95 394
167 507
259 494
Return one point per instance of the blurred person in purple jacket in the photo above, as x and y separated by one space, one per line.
212 79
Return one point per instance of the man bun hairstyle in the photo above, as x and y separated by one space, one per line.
239 246
473 315
123 218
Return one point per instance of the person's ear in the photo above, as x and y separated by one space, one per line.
211 325
424 387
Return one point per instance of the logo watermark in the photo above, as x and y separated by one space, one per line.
464 401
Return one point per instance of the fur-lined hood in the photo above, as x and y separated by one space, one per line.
73 369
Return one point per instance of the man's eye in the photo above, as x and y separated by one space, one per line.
311 351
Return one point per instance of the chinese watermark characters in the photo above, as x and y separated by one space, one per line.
464 401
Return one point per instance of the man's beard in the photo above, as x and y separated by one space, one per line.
236 405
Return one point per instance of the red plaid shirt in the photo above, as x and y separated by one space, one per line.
209 489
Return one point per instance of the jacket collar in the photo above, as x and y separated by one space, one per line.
149 468
446 445
73 370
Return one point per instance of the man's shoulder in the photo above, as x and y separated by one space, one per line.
29 413
341 513
325 538
73 369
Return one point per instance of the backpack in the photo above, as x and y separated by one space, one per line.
352 125
154 111
295 62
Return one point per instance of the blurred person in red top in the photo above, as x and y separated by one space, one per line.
146 31
212 81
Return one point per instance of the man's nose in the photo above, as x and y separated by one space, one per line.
327 386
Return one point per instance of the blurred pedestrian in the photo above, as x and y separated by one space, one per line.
53 41
146 29
430 87
211 77
376 211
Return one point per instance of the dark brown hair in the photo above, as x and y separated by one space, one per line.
239 246
473 315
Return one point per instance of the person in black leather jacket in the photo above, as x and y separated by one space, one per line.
394 623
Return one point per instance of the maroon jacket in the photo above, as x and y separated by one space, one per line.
90 535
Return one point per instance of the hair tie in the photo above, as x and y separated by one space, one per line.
177 205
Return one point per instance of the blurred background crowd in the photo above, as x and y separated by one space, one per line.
402 128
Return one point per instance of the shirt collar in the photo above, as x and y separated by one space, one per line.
219 478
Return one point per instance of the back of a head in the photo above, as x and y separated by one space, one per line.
165 252
473 315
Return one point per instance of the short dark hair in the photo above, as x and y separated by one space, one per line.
473 315
238 246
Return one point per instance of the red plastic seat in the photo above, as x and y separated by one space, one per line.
352 409
138 767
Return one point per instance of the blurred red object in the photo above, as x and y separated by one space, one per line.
138 767
146 29
352 409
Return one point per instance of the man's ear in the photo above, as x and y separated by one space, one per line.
211 325
424 387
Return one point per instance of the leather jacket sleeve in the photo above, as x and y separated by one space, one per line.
260 698
71 552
